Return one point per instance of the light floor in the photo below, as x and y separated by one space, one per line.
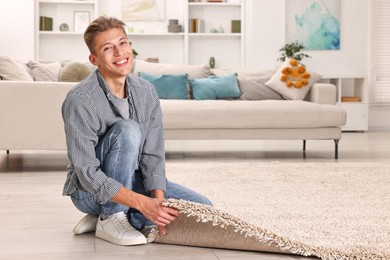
36 221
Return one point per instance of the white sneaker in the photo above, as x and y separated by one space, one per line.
86 224
117 230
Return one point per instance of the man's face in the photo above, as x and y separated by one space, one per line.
113 54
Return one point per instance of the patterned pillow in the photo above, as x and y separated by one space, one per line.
45 71
293 80
75 72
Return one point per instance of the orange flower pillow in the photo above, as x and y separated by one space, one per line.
292 80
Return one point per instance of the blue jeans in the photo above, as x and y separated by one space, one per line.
118 153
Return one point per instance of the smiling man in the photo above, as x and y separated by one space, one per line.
115 141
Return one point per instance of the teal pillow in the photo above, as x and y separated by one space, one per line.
168 86
215 87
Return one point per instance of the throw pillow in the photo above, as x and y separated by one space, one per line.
293 80
74 72
168 86
11 69
255 89
45 71
193 71
215 87
250 73
221 72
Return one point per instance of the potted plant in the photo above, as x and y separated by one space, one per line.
135 53
293 51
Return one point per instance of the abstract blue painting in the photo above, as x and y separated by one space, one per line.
314 23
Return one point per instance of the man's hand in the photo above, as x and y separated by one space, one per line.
159 194
154 210
151 208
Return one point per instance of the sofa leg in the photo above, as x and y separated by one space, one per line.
336 148
7 151
304 145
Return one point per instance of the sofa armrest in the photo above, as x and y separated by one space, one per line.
323 93
30 115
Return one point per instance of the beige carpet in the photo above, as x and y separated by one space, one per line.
329 210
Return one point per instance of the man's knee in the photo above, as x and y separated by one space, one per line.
128 131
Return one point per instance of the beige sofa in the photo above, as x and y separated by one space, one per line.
31 114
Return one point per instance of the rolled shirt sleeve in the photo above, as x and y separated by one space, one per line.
81 127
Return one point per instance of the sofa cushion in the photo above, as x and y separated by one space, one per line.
168 86
215 87
249 73
292 80
74 72
11 69
244 73
241 114
255 89
45 71
219 72
193 71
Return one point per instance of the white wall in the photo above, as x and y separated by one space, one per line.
266 35
17 29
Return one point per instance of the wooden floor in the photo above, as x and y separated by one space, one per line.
36 222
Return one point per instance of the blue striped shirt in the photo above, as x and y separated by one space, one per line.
88 113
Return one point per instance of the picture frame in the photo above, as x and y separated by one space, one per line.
143 10
81 20
314 23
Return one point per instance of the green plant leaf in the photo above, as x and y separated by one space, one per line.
293 51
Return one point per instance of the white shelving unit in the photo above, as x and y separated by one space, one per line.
149 39
227 48
354 86
59 45
196 48
159 45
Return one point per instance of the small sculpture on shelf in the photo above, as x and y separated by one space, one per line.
174 26
219 30
64 27
135 53
212 62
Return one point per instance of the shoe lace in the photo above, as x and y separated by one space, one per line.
122 223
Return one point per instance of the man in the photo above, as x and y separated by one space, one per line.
115 141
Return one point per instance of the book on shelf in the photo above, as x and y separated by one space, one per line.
236 26
45 23
350 99
196 26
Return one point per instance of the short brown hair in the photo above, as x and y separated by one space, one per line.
101 24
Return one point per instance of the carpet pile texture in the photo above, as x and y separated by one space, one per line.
329 210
